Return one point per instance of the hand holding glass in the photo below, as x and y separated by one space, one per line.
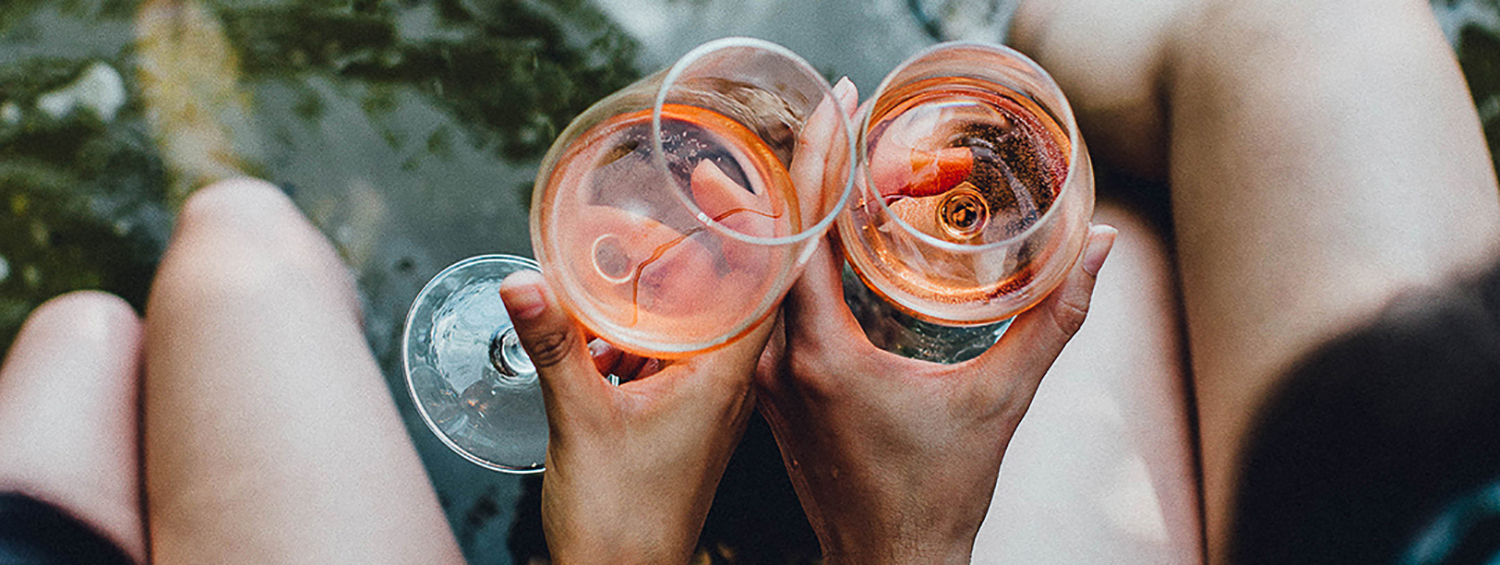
670 218
975 193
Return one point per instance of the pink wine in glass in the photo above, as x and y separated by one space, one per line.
965 162
644 263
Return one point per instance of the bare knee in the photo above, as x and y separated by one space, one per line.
79 345
243 239
85 319
235 204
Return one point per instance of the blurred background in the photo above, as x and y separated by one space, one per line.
409 131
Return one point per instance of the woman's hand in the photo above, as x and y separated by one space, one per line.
631 470
895 459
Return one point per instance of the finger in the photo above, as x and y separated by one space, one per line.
553 341
1038 335
822 129
897 169
821 158
606 357
611 360
815 314
721 199
634 367
848 96
740 210
646 367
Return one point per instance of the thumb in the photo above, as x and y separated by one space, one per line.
815 313
1038 335
553 341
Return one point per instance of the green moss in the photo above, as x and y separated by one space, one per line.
52 242
70 186
507 72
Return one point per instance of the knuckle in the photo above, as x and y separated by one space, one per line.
551 349
1070 313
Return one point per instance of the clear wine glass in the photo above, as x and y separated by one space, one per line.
975 193
670 218
471 381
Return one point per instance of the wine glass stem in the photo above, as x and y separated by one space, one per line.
507 355
510 359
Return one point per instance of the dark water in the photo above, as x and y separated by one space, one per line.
409 131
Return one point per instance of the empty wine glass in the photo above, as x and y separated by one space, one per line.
670 218
471 381
975 193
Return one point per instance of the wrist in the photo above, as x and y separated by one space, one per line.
618 541
640 551
908 546
943 554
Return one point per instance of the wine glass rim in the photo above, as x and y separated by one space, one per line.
406 361
1063 107
699 52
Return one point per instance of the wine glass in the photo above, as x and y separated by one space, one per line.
471 381
975 193
670 219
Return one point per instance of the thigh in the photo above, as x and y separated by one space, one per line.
68 414
270 434
1306 200
1101 469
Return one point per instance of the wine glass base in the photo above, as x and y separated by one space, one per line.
467 374
898 332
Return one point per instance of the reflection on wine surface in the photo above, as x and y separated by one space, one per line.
974 200
965 162
654 263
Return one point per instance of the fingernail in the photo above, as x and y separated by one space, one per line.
842 89
523 297
1098 249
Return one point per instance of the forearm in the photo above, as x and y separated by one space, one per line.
1324 157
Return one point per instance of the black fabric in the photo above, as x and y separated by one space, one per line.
36 533
1376 435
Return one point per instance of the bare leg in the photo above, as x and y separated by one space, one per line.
1324 157
68 414
270 435
1101 469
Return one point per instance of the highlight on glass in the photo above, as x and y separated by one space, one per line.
670 219
974 197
